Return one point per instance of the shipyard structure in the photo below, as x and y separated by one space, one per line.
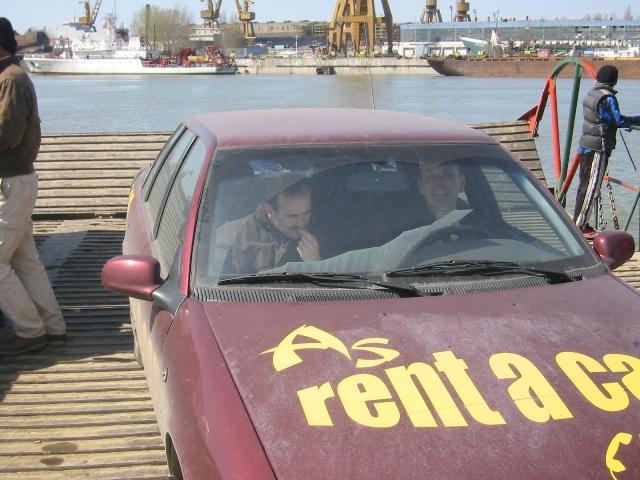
449 38
444 38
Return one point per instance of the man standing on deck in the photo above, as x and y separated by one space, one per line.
26 296
602 118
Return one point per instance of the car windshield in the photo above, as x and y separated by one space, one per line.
369 210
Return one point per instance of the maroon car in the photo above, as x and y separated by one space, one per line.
351 294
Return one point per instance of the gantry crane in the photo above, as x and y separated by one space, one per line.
211 14
462 12
356 20
246 17
431 13
88 21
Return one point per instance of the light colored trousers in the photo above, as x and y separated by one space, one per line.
593 166
26 296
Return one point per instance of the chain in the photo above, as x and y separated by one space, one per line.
602 224
612 201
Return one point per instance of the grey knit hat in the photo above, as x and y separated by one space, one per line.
7 36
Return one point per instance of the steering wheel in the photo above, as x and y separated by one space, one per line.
453 233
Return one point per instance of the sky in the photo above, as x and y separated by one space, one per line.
52 13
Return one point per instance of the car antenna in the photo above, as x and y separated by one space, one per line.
373 97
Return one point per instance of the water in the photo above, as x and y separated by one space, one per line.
85 104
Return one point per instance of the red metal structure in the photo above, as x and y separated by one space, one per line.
563 174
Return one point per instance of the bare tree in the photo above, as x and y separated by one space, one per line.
628 15
596 16
166 28
587 16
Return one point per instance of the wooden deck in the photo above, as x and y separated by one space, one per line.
90 175
630 271
83 410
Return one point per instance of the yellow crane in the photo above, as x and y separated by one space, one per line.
246 17
355 22
211 14
88 21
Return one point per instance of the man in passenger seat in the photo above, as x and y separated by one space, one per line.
275 234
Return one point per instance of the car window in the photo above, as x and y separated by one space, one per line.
175 213
165 174
368 209
162 156
522 208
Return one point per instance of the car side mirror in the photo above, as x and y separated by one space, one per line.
136 276
614 247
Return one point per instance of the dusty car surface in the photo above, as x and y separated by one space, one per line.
364 295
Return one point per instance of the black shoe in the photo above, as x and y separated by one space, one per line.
16 345
56 339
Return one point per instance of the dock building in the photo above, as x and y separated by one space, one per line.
444 37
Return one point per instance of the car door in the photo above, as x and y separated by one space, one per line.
154 319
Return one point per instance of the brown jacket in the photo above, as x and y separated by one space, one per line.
255 245
19 120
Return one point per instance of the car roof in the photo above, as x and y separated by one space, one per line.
326 126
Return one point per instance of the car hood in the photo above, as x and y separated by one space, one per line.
534 383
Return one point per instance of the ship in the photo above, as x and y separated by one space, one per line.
521 66
207 64
119 54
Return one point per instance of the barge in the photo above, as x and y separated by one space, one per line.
628 68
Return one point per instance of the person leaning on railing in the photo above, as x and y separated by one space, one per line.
602 118
26 296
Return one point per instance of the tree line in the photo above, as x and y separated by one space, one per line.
168 29
627 15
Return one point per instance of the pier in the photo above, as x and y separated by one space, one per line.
339 66
82 409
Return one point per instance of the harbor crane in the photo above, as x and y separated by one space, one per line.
462 12
246 18
431 13
211 14
88 21
355 21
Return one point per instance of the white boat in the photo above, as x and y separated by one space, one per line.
119 66
477 46
118 54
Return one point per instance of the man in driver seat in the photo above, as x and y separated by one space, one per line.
440 184
272 236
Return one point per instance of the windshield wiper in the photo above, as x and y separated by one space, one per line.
324 279
479 267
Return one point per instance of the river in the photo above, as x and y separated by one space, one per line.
84 104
